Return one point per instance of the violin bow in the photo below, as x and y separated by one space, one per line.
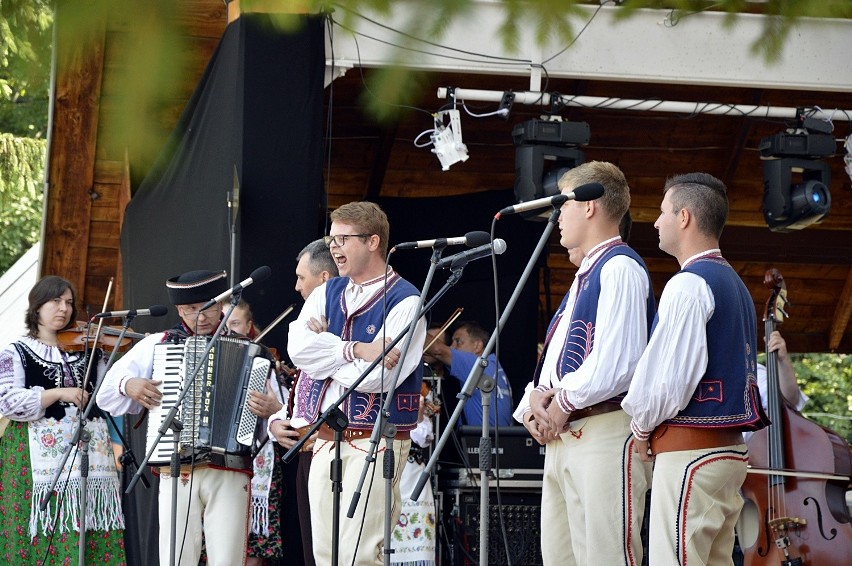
452 319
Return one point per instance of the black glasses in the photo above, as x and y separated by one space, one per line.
340 239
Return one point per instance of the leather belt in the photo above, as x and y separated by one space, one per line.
307 446
327 433
674 438
593 410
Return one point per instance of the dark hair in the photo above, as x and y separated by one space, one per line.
319 258
625 227
474 330
47 289
704 196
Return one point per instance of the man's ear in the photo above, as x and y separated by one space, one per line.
325 276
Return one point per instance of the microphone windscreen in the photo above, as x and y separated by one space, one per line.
476 239
158 310
589 191
261 274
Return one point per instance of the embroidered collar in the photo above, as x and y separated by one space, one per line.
714 253
371 282
596 252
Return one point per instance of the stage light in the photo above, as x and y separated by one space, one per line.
447 139
544 151
796 181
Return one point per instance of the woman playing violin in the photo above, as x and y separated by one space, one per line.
42 390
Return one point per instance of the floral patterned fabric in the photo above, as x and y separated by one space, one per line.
16 489
270 546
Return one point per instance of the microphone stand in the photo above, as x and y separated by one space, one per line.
474 380
337 420
389 430
171 422
82 437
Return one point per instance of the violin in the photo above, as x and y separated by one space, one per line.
76 339
795 510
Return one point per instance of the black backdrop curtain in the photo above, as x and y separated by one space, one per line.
421 219
256 112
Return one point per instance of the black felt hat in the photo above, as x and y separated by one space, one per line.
196 286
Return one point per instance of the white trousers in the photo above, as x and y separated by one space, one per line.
369 538
593 495
695 503
218 506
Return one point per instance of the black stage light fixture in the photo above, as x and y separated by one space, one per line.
544 151
795 180
795 193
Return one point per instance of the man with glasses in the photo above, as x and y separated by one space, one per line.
366 308
220 496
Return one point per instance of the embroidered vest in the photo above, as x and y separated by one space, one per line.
727 394
39 372
362 409
579 341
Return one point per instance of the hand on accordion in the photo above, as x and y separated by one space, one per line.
265 404
143 391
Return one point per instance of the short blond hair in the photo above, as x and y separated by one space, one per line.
368 217
616 198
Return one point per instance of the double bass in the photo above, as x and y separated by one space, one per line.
795 511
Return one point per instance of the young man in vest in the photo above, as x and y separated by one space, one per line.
694 390
354 305
593 489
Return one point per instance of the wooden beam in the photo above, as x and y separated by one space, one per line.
72 151
840 322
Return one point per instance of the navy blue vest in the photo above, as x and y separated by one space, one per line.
727 394
579 341
362 409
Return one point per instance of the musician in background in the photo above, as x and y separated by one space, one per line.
218 496
355 305
786 375
468 343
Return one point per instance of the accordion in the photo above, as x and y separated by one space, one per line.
218 427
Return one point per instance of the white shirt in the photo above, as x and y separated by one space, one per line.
17 401
676 357
620 335
138 362
320 355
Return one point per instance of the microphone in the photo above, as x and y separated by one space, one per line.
470 240
260 274
153 310
583 193
463 258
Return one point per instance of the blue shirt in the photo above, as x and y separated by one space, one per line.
460 365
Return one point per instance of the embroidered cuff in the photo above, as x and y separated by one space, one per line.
121 385
638 433
349 351
542 388
564 403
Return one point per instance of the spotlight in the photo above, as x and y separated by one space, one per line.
795 181
544 151
447 139
792 203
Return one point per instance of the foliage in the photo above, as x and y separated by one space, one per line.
21 177
25 39
827 380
